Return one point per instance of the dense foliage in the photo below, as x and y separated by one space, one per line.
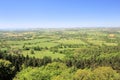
6 70
58 71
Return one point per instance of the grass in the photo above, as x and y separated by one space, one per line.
71 41
44 44
41 54
96 42
28 41
34 42
111 44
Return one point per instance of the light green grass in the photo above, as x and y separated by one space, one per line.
96 42
41 54
44 44
71 41
111 44
33 42
28 41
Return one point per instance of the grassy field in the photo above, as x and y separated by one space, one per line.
41 54
71 39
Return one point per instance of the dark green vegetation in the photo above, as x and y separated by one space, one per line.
60 54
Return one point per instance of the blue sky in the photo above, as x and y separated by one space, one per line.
59 13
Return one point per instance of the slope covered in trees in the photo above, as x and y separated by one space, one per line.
58 71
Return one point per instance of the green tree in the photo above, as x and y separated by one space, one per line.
83 74
6 70
105 73
32 51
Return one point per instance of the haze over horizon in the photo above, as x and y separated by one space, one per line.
24 14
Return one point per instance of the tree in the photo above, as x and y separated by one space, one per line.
100 73
6 70
32 51
82 75
105 73
46 60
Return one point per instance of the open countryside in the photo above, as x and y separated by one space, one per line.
60 54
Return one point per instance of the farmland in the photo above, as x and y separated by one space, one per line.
73 49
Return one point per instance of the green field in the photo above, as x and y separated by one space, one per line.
41 54
51 39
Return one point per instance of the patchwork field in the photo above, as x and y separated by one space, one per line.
54 42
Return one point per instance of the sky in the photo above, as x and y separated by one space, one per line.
18 14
